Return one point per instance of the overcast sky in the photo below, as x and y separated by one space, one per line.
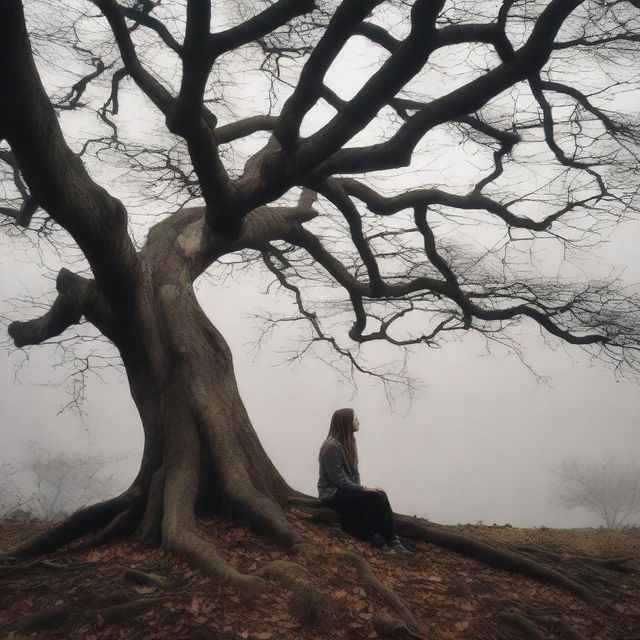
478 442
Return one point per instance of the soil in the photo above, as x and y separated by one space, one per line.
127 590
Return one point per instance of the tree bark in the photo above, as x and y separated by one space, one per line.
201 452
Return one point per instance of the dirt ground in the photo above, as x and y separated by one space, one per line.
126 590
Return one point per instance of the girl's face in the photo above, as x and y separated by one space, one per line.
356 424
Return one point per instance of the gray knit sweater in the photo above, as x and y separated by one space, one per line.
335 471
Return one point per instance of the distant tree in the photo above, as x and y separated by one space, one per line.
51 485
404 206
7 489
607 488
64 482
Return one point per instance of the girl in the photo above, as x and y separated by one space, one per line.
365 511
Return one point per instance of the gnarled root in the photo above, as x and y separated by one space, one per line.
123 524
522 624
391 628
80 523
614 564
202 553
319 515
371 583
307 604
311 509
264 515
492 556
50 618
529 628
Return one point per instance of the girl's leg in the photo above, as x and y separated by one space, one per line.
364 513
386 517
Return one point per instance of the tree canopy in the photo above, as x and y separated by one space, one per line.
514 119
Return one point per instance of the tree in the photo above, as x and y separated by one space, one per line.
55 485
608 489
7 490
65 482
550 160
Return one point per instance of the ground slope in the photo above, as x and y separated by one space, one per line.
126 590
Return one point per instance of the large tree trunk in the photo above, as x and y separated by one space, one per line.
201 452
200 444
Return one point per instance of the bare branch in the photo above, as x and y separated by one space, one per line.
276 15
151 87
340 28
397 150
56 177
142 17
67 310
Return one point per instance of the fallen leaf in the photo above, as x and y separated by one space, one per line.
360 605
194 605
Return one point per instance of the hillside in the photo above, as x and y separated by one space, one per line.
125 590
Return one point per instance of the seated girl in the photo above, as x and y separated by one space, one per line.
365 511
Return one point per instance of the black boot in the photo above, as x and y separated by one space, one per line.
377 540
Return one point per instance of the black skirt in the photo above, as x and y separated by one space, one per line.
364 513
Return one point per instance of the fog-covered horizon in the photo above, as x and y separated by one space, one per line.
478 442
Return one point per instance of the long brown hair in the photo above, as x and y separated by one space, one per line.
341 429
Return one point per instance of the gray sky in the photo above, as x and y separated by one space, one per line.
477 443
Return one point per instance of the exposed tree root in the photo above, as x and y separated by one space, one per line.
371 583
391 628
80 523
46 619
59 616
307 604
504 559
148 579
569 632
306 502
592 577
123 524
202 553
319 515
614 564
492 556
522 624
10 565
265 516
120 611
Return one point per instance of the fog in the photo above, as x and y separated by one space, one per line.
478 442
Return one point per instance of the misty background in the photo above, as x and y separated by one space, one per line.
478 442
